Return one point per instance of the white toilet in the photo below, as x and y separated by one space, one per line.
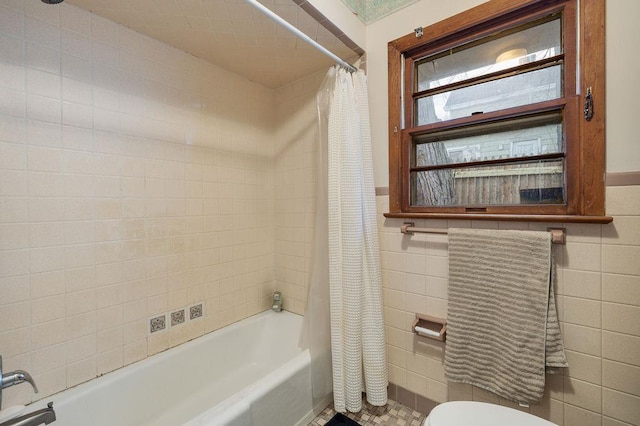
472 413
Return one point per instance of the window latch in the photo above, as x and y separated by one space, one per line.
588 105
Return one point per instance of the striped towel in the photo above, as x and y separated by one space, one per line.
502 324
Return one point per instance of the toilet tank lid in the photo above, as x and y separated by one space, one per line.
473 413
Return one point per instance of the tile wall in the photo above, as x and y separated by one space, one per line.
295 176
598 301
135 180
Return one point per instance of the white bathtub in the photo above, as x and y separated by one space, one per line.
249 373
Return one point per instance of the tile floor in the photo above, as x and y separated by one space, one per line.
393 414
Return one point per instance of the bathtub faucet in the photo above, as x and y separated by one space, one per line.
277 302
36 418
14 378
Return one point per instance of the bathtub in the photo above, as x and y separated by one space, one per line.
249 373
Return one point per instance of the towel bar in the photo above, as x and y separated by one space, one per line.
558 235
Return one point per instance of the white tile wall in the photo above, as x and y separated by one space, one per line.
295 176
134 179
599 309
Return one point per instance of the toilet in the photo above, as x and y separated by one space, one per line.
472 413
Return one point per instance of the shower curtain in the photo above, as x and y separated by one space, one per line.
354 276
316 332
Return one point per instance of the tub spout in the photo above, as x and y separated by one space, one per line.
14 378
36 418
277 302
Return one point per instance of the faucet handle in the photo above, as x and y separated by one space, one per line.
276 304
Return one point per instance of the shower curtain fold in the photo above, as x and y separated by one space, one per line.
355 279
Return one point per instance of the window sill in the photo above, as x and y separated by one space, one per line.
504 217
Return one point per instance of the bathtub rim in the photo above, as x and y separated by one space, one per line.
70 394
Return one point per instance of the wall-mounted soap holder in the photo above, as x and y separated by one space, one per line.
431 327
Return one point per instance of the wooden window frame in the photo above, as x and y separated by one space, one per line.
586 164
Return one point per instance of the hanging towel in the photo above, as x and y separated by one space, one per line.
502 324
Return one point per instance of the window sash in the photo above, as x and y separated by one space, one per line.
473 49
570 109
504 181
520 184
550 87
503 121
532 13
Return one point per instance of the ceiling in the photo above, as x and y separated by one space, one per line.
231 34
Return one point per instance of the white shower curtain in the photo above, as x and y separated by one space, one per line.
355 279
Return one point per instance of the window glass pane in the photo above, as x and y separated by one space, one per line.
537 182
522 89
496 53
530 136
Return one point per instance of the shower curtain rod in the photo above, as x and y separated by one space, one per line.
300 34
558 235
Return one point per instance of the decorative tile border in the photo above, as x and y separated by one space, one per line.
178 317
158 323
163 322
412 400
623 179
195 311
382 190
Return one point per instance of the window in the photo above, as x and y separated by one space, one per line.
486 118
